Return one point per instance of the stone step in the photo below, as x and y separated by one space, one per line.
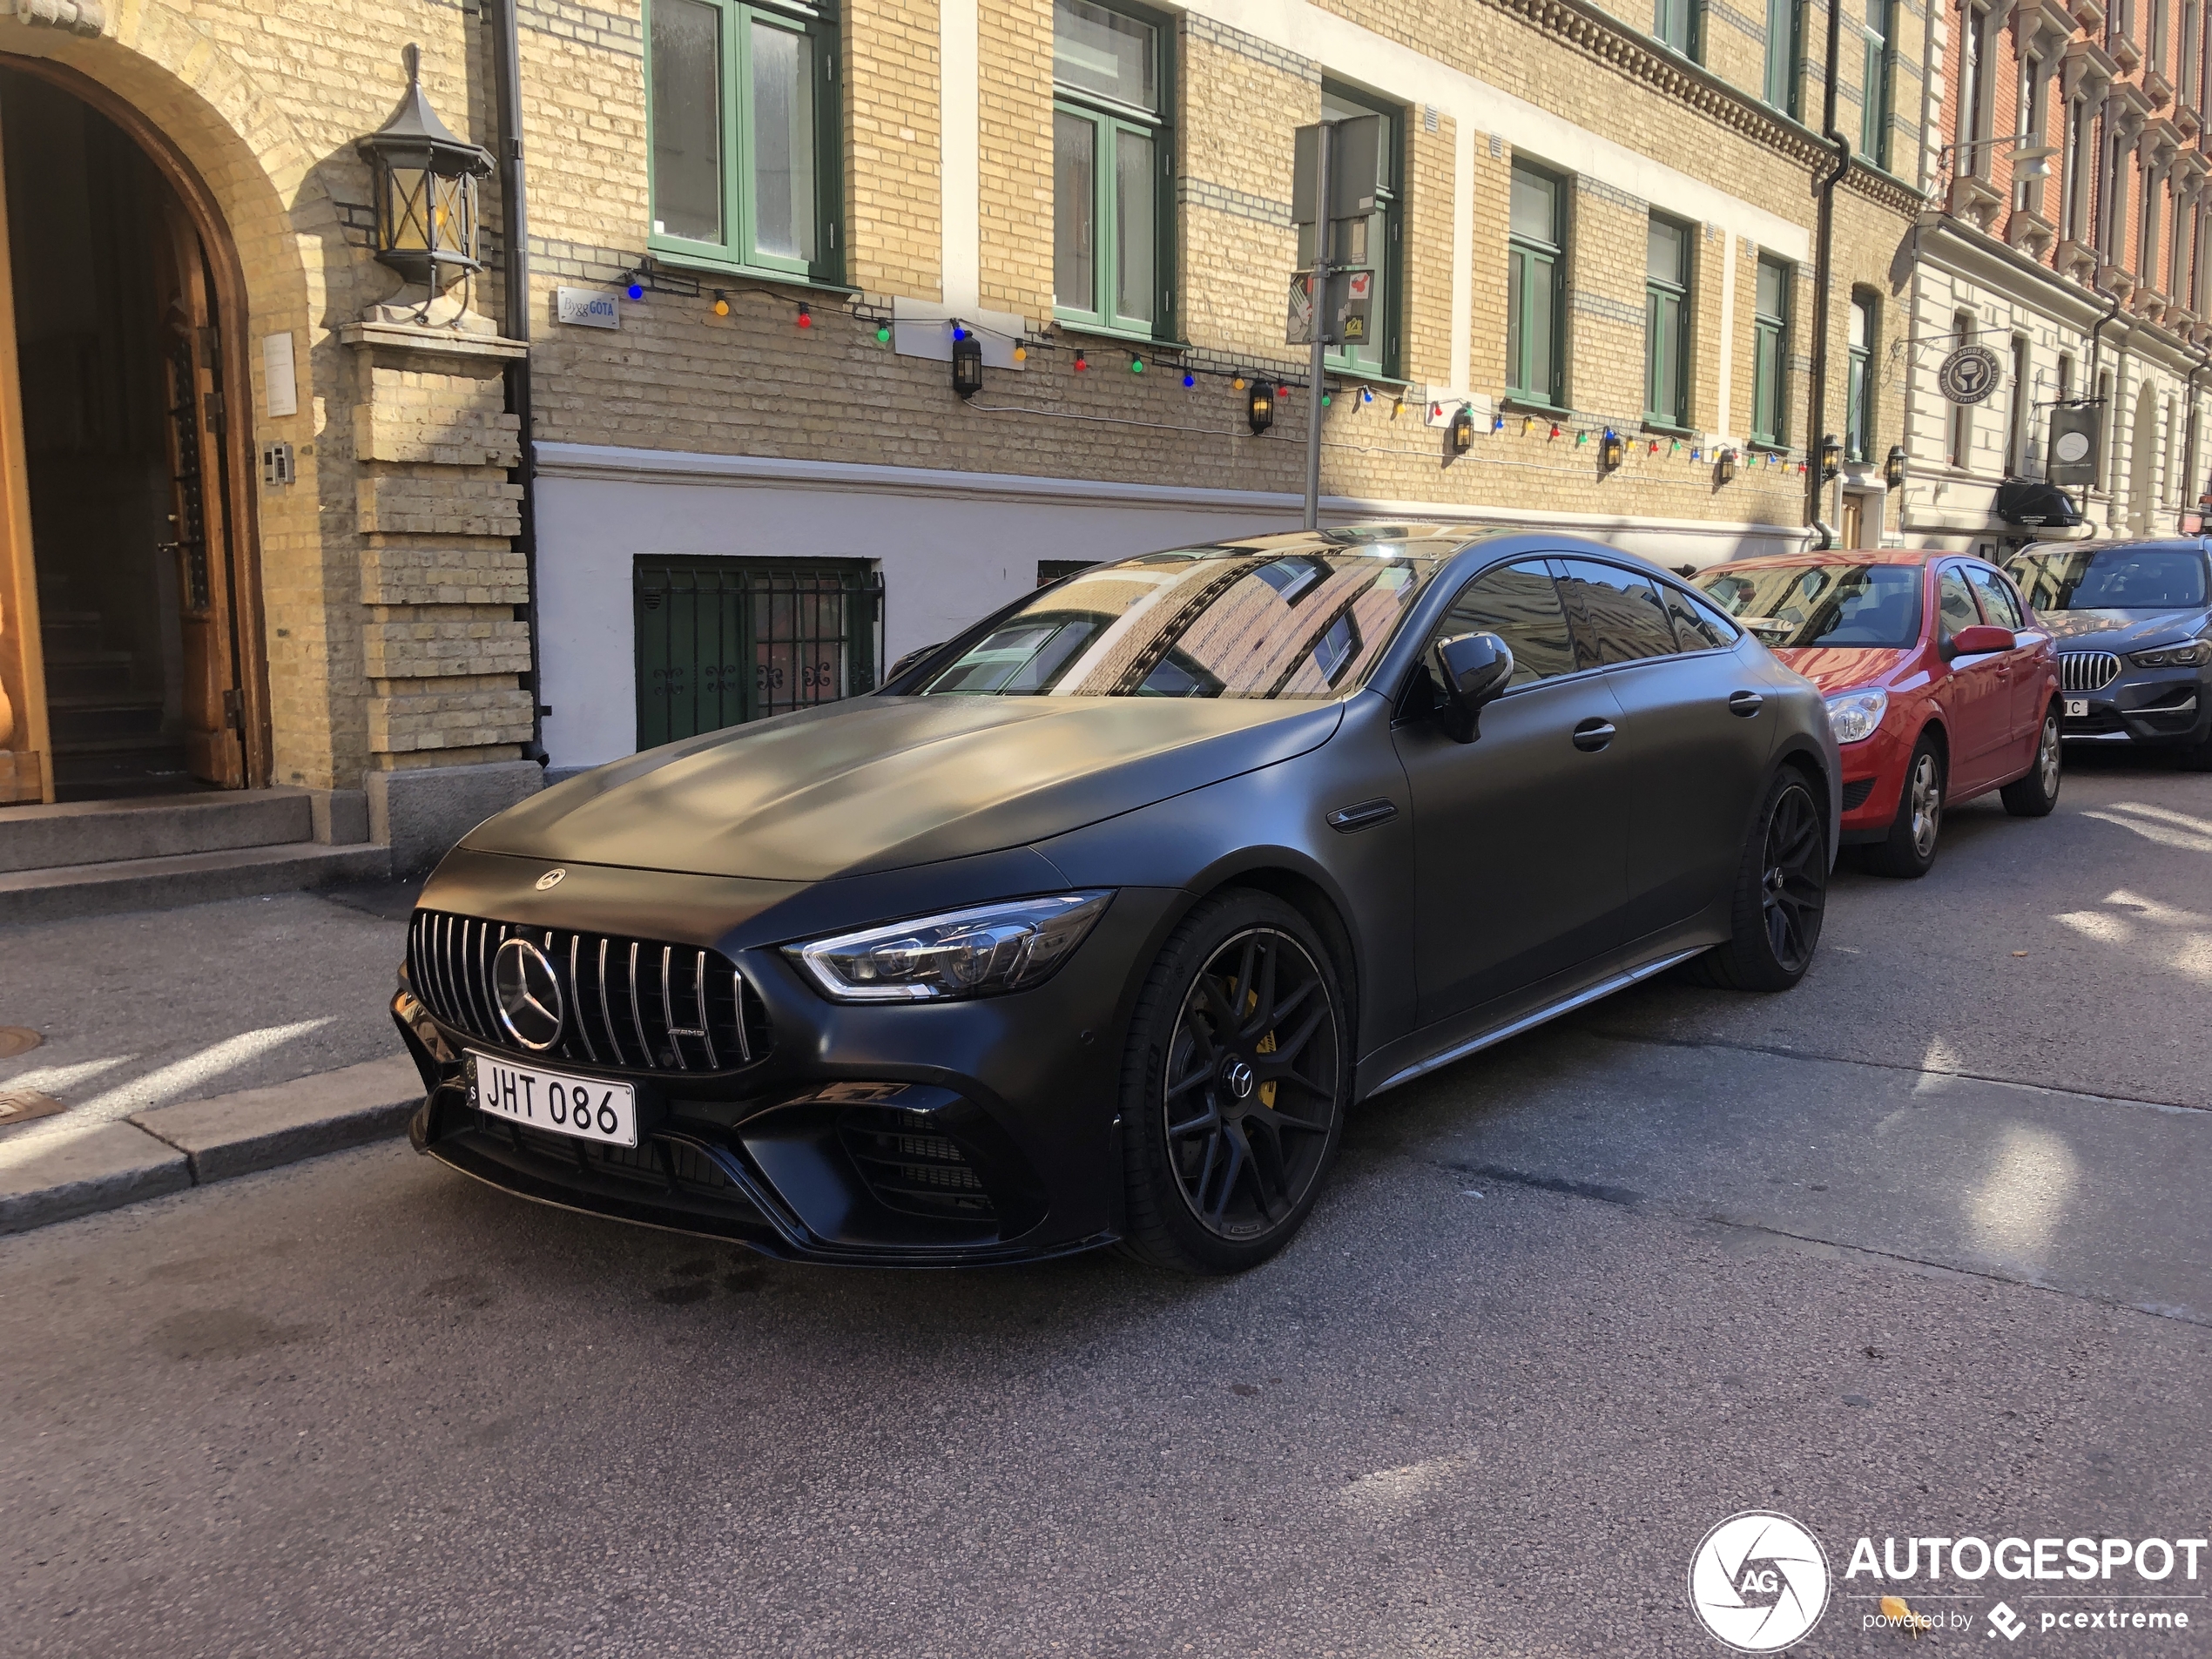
79 719
86 673
65 630
67 891
91 832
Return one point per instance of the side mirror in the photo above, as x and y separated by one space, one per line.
1473 669
1981 640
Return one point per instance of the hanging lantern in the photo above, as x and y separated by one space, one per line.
424 189
968 365
1259 407
1725 469
1832 458
1893 468
1462 430
1610 449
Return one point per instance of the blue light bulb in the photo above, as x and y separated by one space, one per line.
1189 380
636 290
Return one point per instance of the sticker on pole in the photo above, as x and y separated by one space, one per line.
1969 375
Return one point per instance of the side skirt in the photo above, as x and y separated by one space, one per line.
1588 995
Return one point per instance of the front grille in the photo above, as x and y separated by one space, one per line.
1855 793
662 1165
633 1003
911 1165
2087 671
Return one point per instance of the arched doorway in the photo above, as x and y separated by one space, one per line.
132 637
2142 461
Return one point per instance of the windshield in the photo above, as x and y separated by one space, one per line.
1201 622
2112 578
1876 605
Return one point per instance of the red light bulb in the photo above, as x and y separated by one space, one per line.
806 319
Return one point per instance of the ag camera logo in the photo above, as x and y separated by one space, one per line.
1758 1582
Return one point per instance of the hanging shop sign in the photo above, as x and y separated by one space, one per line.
1349 317
2075 429
1969 375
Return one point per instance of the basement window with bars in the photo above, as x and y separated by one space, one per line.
721 641
1112 167
742 110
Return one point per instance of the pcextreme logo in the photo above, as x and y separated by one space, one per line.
1759 1581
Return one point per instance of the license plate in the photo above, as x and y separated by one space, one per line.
2077 708
552 1100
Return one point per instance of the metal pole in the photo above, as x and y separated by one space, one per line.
1822 260
1319 294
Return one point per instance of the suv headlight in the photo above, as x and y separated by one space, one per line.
2188 654
1853 716
982 952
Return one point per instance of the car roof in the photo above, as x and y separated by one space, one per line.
1840 555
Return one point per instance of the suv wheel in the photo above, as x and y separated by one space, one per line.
1234 1086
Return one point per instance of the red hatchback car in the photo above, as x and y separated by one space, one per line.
1941 683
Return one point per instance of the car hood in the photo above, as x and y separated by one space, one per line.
883 783
2119 630
1838 668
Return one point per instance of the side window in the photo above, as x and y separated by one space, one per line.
1956 601
1697 626
1997 601
1111 217
1520 603
1617 614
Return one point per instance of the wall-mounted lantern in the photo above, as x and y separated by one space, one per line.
1610 449
1462 431
1725 469
1893 468
968 362
424 188
1259 407
1832 457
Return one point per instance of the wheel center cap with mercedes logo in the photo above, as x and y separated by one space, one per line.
1238 1076
529 993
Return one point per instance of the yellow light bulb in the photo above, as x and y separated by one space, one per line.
1239 383
1021 354
721 307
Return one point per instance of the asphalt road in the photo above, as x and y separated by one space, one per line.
1919 1248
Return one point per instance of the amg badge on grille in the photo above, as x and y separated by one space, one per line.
529 995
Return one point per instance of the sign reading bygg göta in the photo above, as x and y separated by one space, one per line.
1760 1581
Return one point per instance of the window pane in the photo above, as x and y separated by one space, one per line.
1097 51
1663 356
687 119
1534 209
1781 41
1520 605
1862 325
1669 254
1516 284
1996 598
1134 220
1956 601
1773 297
1074 212
783 142
1622 620
1855 408
1697 627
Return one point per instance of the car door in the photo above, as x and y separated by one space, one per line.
1977 694
1519 837
1701 740
2023 677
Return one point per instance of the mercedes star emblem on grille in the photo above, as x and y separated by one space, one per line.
550 880
529 995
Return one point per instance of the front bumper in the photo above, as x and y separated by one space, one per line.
946 1134
2156 708
1873 774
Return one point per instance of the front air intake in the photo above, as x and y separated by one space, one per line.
911 1165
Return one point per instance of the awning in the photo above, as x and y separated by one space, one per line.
2032 501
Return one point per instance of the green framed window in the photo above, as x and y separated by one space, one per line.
1536 287
1878 71
1372 243
1111 166
1675 23
1667 322
742 112
1779 79
1858 408
1770 354
720 641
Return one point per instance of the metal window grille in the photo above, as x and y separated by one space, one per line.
723 641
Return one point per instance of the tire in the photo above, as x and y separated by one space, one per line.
1218 1180
2035 793
1780 895
2197 757
1909 850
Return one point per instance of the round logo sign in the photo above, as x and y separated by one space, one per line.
2072 448
1969 375
550 880
1759 1581
529 993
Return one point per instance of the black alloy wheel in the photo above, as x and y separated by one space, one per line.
2036 791
1781 894
1234 1087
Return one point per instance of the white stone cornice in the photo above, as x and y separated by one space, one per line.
77 17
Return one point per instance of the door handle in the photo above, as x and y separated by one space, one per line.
1593 735
1746 703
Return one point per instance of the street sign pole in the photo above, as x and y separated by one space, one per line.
1319 292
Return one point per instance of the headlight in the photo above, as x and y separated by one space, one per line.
982 952
1853 716
2188 654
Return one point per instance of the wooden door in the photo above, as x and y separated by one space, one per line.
198 526
24 775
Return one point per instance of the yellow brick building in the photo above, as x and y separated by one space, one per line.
752 230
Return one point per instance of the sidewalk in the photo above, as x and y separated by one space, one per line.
188 1046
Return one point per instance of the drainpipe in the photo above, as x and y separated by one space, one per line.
515 324
2096 359
2189 417
1822 258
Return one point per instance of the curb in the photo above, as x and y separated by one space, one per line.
170 1148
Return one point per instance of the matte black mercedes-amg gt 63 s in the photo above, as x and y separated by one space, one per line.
1092 924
